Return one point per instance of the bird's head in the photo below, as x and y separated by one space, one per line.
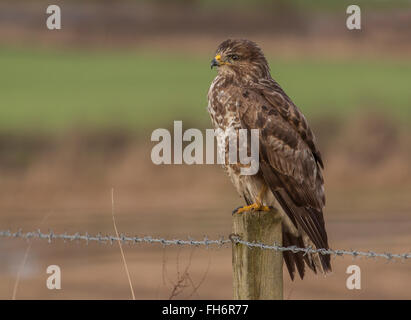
242 57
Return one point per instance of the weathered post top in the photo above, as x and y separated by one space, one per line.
257 273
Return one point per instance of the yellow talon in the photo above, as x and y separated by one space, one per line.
257 206
253 207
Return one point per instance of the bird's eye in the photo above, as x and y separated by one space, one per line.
234 57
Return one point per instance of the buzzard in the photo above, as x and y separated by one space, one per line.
243 95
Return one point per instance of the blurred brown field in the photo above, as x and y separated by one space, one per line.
62 182
67 188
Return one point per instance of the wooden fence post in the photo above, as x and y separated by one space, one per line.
257 273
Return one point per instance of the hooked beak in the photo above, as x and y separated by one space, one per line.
216 62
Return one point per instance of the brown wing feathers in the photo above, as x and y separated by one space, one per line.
291 166
274 94
310 221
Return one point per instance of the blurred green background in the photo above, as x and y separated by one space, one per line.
133 64
49 90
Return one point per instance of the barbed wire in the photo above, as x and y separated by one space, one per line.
50 236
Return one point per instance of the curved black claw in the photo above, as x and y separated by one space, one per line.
236 210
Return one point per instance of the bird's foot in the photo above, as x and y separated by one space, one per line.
251 208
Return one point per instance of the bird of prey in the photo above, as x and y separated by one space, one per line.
243 95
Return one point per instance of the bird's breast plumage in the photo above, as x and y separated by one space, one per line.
222 106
